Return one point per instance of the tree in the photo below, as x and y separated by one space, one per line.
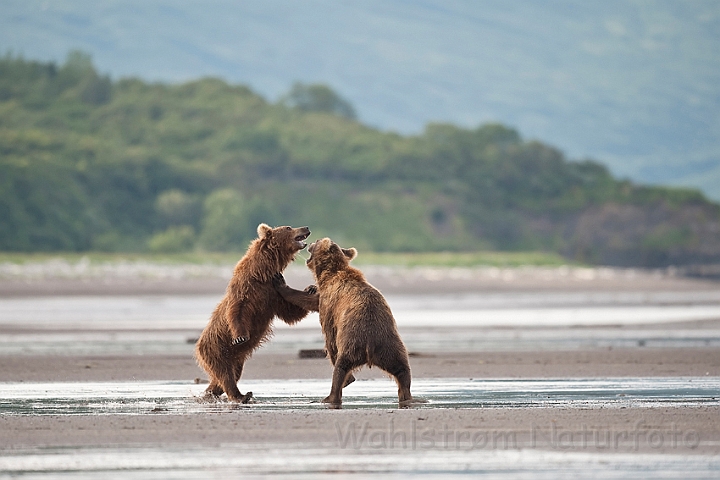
79 70
318 98
231 220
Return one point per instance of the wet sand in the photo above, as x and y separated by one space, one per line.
327 429
636 362
557 428
321 427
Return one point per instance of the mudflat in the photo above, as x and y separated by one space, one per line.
626 362
687 427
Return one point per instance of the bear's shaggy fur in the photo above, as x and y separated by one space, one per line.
356 320
242 321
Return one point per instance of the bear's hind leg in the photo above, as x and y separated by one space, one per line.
226 379
232 391
237 374
348 380
237 370
343 369
214 389
332 353
400 371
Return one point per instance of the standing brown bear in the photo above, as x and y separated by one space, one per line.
242 321
356 320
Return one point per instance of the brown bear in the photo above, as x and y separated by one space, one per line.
242 321
356 320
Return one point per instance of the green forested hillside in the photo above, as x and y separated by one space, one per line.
87 163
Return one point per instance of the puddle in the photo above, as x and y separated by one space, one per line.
163 398
255 461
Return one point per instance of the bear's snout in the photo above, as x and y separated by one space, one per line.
300 235
303 233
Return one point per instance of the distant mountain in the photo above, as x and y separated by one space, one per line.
633 84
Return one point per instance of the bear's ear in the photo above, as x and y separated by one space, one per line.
264 230
350 253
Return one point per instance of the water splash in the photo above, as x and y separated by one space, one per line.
132 398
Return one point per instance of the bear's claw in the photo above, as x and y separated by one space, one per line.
239 340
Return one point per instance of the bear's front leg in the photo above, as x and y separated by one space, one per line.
307 299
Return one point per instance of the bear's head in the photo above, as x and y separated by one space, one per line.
326 255
285 239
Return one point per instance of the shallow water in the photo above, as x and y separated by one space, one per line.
291 340
168 324
362 459
122 398
468 310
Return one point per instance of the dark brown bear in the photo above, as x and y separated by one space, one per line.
356 320
242 321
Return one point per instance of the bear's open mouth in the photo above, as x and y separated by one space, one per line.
311 248
300 240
